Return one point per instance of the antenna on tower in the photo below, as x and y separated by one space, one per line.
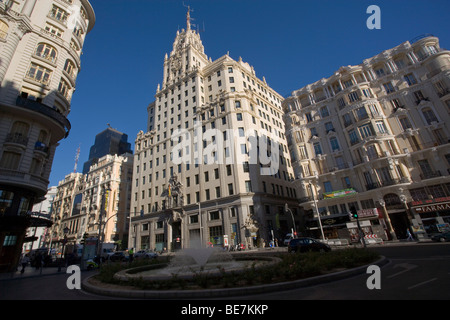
188 16
77 156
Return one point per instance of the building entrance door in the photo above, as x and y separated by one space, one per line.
176 235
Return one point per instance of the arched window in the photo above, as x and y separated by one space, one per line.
20 129
392 199
70 68
429 115
46 51
64 88
3 29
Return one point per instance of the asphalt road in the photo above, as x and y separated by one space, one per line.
414 271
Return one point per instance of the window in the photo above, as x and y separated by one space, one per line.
10 160
193 219
215 215
324 112
388 87
347 119
404 122
69 67
64 89
3 30
329 127
6 199
381 127
230 189
46 51
429 115
425 168
59 14
334 144
365 130
10 240
380 72
239 116
362 113
54 30
248 186
353 96
317 148
327 186
353 137
410 79
39 74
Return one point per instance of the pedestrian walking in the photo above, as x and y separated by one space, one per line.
131 254
24 261
410 237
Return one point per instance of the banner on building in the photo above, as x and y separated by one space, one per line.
339 193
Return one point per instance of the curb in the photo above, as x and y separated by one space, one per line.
230 292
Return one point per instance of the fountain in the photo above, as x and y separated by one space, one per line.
191 262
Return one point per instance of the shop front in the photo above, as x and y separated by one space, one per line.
435 214
371 223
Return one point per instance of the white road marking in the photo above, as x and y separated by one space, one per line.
406 266
422 283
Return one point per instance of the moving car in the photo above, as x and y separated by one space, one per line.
119 256
145 254
445 236
306 245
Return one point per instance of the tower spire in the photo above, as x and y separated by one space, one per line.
188 19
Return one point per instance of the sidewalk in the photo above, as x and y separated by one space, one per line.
31 272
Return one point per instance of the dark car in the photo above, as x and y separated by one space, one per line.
306 245
119 256
441 236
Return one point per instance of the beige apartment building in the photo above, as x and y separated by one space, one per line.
196 178
100 198
376 137
40 48
66 210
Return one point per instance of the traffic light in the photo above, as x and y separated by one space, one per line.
354 213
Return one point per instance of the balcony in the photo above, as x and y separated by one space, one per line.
430 175
386 183
45 110
17 139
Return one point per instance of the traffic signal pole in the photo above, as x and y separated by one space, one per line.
360 232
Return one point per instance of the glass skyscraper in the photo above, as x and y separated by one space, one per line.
109 141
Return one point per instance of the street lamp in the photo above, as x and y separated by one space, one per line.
317 210
66 231
286 208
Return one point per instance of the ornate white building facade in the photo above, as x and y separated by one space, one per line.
95 204
376 137
40 48
194 178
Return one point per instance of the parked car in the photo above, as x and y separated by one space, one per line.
145 254
306 245
119 256
445 236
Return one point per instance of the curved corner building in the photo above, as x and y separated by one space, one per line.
40 47
376 137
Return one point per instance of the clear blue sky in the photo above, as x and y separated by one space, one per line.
290 42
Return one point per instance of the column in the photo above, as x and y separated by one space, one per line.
28 7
